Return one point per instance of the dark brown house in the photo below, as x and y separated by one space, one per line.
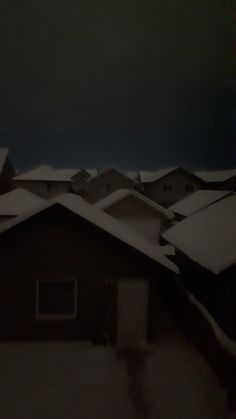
7 171
71 271
206 252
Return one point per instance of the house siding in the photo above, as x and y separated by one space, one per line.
97 187
45 189
56 245
177 182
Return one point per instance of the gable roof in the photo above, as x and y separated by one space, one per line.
105 222
121 194
18 202
209 236
197 201
112 169
48 173
153 176
150 177
216 176
4 152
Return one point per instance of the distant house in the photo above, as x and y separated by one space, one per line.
108 181
220 180
16 203
138 212
7 171
168 186
206 252
80 181
47 182
69 270
196 202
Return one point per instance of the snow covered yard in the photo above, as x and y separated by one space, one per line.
62 381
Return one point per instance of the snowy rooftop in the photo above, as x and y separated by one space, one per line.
3 156
209 236
104 221
197 201
152 176
121 194
113 169
216 176
18 201
48 173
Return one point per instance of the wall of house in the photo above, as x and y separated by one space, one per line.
107 183
141 217
45 190
80 183
58 246
171 188
6 177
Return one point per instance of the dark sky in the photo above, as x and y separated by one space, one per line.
116 82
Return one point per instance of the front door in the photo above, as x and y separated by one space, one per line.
132 312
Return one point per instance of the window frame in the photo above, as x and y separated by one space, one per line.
58 316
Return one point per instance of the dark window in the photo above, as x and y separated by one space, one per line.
56 298
108 187
49 186
187 188
170 188
165 188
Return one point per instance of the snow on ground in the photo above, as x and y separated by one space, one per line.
62 381
179 382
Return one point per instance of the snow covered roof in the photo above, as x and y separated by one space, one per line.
18 202
48 173
133 174
102 220
3 157
197 201
152 176
217 176
121 194
209 236
112 169
91 172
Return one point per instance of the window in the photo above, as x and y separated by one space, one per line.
167 188
56 299
49 186
189 188
108 187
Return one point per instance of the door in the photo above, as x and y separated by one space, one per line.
132 312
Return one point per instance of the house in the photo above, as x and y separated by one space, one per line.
220 179
206 251
108 181
69 270
196 202
7 171
17 202
168 186
138 212
47 182
80 181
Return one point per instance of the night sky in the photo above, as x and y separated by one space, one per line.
136 84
